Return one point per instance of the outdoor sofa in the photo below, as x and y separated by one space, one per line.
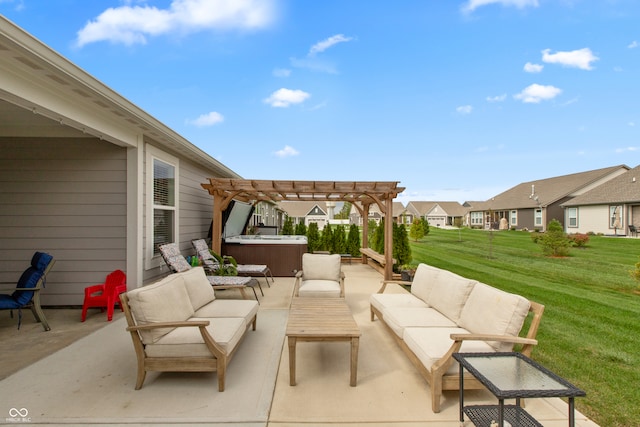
178 325
446 313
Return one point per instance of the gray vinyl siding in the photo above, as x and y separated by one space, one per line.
67 197
195 210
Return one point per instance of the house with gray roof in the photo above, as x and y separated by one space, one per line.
438 214
531 205
609 209
306 212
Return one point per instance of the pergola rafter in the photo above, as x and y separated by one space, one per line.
360 193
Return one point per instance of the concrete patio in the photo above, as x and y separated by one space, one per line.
84 373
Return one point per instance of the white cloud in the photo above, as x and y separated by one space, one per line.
632 124
533 68
327 43
134 24
581 58
498 98
626 149
464 109
209 119
634 44
281 72
287 151
472 5
536 93
285 97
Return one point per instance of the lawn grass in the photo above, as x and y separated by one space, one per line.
591 325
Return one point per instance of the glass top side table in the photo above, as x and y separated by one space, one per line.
511 376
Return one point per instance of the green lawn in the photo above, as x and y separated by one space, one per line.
590 329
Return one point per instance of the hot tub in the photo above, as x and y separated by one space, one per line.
283 254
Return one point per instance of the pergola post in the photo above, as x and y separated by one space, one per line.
216 234
388 239
364 213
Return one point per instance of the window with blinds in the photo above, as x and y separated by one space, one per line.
164 206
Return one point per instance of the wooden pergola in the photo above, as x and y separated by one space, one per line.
360 194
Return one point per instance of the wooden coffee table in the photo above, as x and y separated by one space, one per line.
322 319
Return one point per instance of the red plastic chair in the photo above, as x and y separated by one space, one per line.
105 294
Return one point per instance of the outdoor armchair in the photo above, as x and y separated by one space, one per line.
27 291
105 295
321 276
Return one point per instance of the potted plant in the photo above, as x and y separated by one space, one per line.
407 272
228 266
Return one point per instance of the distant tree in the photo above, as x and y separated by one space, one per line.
401 248
377 243
326 238
313 237
353 240
417 230
339 240
287 227
554 241
344 212
373 226
301 229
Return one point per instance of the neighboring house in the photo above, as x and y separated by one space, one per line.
438 214
307 212
374 214
88 176
531 205
401 215
267 218
608 209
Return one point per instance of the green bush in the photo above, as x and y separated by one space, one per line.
579 240
554 241
353 240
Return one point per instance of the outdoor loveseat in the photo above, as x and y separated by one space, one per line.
178 325
446 313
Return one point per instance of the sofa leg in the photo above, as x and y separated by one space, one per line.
436 395
140 378
221 370
372 315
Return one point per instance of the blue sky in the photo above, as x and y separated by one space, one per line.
458 99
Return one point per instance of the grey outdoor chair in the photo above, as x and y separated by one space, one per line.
210 261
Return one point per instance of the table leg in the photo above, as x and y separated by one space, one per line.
292 360
501 412
461 398
355 344
244 295
572 414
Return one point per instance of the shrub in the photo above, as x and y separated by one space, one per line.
554 241
579 240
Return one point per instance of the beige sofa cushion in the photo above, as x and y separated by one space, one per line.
449 294
382 301
423 281
188 342
430 344
246 309
198 287
399 318
319 288
164 301
321 267
491 311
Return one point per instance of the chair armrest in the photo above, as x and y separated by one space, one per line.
28 289
299 273
93 289
397 282
442 365
178 324
488 337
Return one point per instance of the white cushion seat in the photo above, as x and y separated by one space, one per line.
399 318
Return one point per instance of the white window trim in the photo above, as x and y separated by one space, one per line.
514 218
152 153
537 217
569 217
